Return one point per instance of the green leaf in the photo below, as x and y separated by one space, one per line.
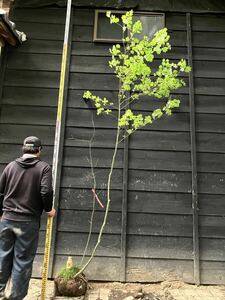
129 131
114 19
137 27
87 95
157 113
108 14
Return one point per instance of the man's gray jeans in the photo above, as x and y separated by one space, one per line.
18 245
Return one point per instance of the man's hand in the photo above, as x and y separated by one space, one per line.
51 213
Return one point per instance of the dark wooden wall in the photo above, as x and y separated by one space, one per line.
156 218
209 80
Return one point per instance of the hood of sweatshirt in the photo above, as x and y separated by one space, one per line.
27 162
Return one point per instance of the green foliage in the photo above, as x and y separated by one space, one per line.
135 121
102 105
68 273
131 63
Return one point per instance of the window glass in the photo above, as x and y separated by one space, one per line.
150 24
106 32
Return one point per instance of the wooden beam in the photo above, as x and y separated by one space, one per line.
193 154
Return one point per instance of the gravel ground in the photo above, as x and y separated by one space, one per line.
130 291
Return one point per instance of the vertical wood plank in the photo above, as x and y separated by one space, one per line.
193 155
124 212
61 146
3 59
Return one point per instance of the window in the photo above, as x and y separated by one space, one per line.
106 32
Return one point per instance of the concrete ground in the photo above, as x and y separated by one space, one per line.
116 291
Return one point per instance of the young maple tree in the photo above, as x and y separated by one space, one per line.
131 63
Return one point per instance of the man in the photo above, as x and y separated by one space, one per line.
25 191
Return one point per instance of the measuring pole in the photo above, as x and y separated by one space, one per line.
56 154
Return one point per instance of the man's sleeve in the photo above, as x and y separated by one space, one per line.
2 189
46 189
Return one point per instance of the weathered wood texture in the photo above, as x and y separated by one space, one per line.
154 5
159 224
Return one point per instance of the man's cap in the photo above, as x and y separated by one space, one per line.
32 141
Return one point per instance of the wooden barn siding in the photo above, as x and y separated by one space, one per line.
158 173
210 121
30 93
159 231
91 71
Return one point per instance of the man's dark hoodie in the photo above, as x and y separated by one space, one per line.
25 189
